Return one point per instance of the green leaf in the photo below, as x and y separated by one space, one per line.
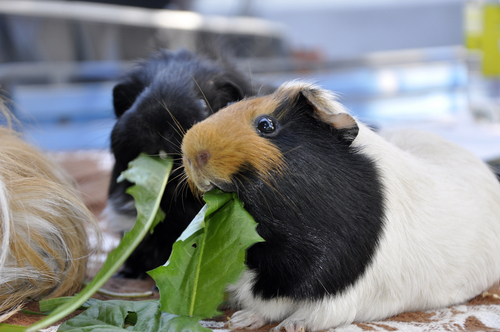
143 316
12 328
209 255
150 175
52 304
29 312
186 324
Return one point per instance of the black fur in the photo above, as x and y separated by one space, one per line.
169 85
495 167
323 217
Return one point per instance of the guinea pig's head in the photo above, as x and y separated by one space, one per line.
263 138
165 95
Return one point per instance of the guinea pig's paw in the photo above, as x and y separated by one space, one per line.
245 319
290 325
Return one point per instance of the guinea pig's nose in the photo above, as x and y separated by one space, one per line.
202 158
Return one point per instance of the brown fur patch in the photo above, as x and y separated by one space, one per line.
230 138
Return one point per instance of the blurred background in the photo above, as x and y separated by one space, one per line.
431 64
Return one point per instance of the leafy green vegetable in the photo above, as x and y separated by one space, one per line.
12 328
209 255
150 175
52 304
118 315
29 312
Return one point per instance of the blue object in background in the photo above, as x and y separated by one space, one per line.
66 117
80 115
64 102
80 135
397 94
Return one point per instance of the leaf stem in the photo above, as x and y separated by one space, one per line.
197 275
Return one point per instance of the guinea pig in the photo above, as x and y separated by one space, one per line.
43 221
155 103
358 226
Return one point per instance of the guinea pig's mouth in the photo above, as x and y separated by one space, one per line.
222 185
207 185
205 182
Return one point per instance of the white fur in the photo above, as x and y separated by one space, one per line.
440 244
5 227
118 222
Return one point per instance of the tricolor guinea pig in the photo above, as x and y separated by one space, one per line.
155 103
358 226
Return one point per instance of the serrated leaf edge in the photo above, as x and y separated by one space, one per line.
103 275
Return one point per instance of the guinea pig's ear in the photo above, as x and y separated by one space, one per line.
231 90
330 111
124 96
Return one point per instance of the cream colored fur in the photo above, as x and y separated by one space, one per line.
44 247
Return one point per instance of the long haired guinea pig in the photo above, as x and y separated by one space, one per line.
155 104
43 240
358 226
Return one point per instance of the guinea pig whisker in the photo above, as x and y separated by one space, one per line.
203 94
186 188
260 89
180 184
177 176
179 130
251 76
260 192
241 185
177 155
166 139
267 204
322 285
178 144
291 150
185 191
183 183
271 184
182 177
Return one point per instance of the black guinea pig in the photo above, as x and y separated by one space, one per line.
358 225
155 103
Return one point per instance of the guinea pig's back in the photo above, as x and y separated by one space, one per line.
447 165
432 148
442 215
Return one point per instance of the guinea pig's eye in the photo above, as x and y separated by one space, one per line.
266 125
